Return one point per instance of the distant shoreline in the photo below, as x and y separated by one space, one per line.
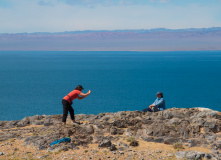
201 39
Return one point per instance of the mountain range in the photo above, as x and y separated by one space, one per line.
159 39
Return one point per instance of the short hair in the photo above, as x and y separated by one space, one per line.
160 93
79 87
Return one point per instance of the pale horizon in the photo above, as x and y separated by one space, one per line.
110 30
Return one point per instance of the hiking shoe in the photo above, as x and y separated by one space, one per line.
77 123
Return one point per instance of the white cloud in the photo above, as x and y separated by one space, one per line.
108 3
159 1
28 16
163 1
46 3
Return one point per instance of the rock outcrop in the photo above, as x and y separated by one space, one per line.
191 127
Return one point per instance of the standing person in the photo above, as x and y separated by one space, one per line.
67 102
158 105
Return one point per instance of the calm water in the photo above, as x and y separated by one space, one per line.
35 82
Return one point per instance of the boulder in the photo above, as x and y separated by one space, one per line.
105 143
120 115
148 139
89 129
180 154
198 121
208 156
98 129
193 155
71 146
57 148
130 131
10 124
211 138
167 114
35 119
195 142
140 133
37 122
2 124
113 147
122 145
184 132
116 131
80 117
160 130
173 112
211 123
170 141
120 124
133 122
152 139
147 121
158 140
188 113
216 146
107 117
134 143
174 121
48 121
24 122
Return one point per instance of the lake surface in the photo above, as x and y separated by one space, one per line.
34 83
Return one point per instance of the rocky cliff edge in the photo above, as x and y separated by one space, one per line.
176 133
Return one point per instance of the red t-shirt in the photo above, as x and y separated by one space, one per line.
73 95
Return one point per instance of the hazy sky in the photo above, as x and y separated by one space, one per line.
70 15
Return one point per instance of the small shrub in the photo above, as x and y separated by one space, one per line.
30 156
117 117
178 145
130 139
35 134
58 152
174 125
85 151
133 141
11 140
124 114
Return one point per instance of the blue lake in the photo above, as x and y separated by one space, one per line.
34 83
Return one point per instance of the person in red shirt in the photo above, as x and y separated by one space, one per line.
67 102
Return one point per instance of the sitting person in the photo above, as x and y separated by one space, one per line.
158 105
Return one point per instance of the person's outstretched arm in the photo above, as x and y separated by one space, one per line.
83 95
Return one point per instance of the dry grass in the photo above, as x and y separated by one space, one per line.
30 152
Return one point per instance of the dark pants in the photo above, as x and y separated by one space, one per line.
147 110
67 107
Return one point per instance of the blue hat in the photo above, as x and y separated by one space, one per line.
159 93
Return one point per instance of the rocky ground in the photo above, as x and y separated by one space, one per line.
171 134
